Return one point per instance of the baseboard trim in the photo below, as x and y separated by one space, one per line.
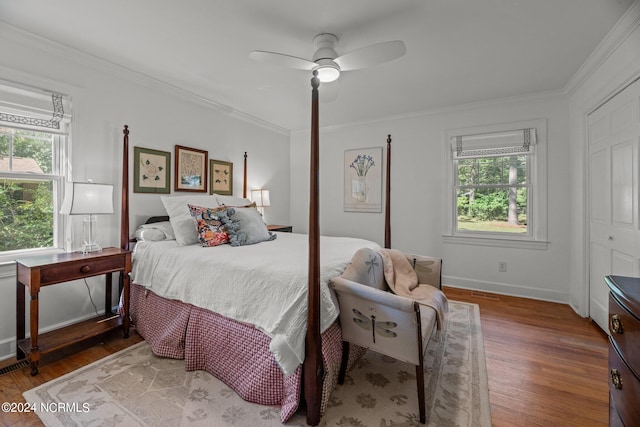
506 289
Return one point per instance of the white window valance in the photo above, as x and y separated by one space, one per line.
35 109
507 143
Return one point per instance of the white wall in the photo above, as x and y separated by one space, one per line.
417 194
612 66
105 98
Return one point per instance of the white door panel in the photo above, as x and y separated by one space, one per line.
599 188
623 264
614 135
622 166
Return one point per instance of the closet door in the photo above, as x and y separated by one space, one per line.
614 235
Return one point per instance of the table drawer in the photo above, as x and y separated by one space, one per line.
625 333
80 268
624 388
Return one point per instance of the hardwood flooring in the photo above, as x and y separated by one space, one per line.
547 366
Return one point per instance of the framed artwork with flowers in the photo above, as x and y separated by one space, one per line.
191 169
151 171
363 180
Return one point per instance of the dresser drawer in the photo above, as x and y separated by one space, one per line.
80 268
627 395
625 333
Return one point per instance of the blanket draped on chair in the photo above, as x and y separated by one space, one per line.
403 280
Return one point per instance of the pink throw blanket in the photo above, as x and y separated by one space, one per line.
403 280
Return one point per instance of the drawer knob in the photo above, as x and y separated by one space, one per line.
615 379
85 269
616 324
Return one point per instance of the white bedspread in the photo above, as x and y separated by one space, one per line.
263 284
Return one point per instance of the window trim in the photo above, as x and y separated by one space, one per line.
536 238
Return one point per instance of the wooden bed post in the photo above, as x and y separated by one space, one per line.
124 212
313 367
244 177
387 205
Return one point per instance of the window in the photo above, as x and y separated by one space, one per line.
497 187
32 153
29 174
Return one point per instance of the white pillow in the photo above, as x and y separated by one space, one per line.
181 220
156 231
231 201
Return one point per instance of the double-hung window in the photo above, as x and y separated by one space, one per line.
497 186
33 139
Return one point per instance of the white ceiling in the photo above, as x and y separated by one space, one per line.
458 51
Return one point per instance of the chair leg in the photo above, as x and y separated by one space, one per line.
420 383
344 362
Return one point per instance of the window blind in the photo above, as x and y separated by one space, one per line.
515 142
34 109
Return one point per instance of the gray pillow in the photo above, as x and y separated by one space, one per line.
245 226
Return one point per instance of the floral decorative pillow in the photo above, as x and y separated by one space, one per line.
211 231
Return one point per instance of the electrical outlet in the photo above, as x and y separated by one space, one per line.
502 266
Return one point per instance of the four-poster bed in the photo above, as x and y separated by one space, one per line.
320 346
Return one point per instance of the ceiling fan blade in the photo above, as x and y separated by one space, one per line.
371 55
282 60
328 91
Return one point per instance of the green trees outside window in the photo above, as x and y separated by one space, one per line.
492 194
27 179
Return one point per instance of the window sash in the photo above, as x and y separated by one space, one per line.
56 179
526 185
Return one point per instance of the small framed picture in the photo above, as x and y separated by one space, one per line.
191 169
151 171
221 176
363 180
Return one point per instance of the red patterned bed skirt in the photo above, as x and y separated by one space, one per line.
234 352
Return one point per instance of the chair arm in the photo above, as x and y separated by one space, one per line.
428 269
389 299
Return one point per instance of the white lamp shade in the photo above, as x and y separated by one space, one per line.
85 198
261 197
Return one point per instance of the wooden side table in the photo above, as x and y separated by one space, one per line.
38 271
281 228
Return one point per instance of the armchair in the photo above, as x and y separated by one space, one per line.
373 317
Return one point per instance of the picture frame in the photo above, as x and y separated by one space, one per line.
363 180
151 171
190 169
221 176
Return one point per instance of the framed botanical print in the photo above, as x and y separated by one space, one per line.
191 169
221 176
151 171
363 180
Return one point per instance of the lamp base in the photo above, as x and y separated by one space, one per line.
88 235
89 247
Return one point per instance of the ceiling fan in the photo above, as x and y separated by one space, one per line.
327 61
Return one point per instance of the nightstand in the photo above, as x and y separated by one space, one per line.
39 271
281 228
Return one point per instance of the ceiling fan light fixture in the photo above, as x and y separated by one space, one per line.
328 71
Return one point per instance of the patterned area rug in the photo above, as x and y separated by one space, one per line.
135 388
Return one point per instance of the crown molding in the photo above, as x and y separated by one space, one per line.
530 97
625 26
17 35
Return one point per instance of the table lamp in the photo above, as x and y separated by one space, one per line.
89 199
261 198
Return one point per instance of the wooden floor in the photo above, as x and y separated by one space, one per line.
547 366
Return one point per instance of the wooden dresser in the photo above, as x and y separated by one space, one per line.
624 351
